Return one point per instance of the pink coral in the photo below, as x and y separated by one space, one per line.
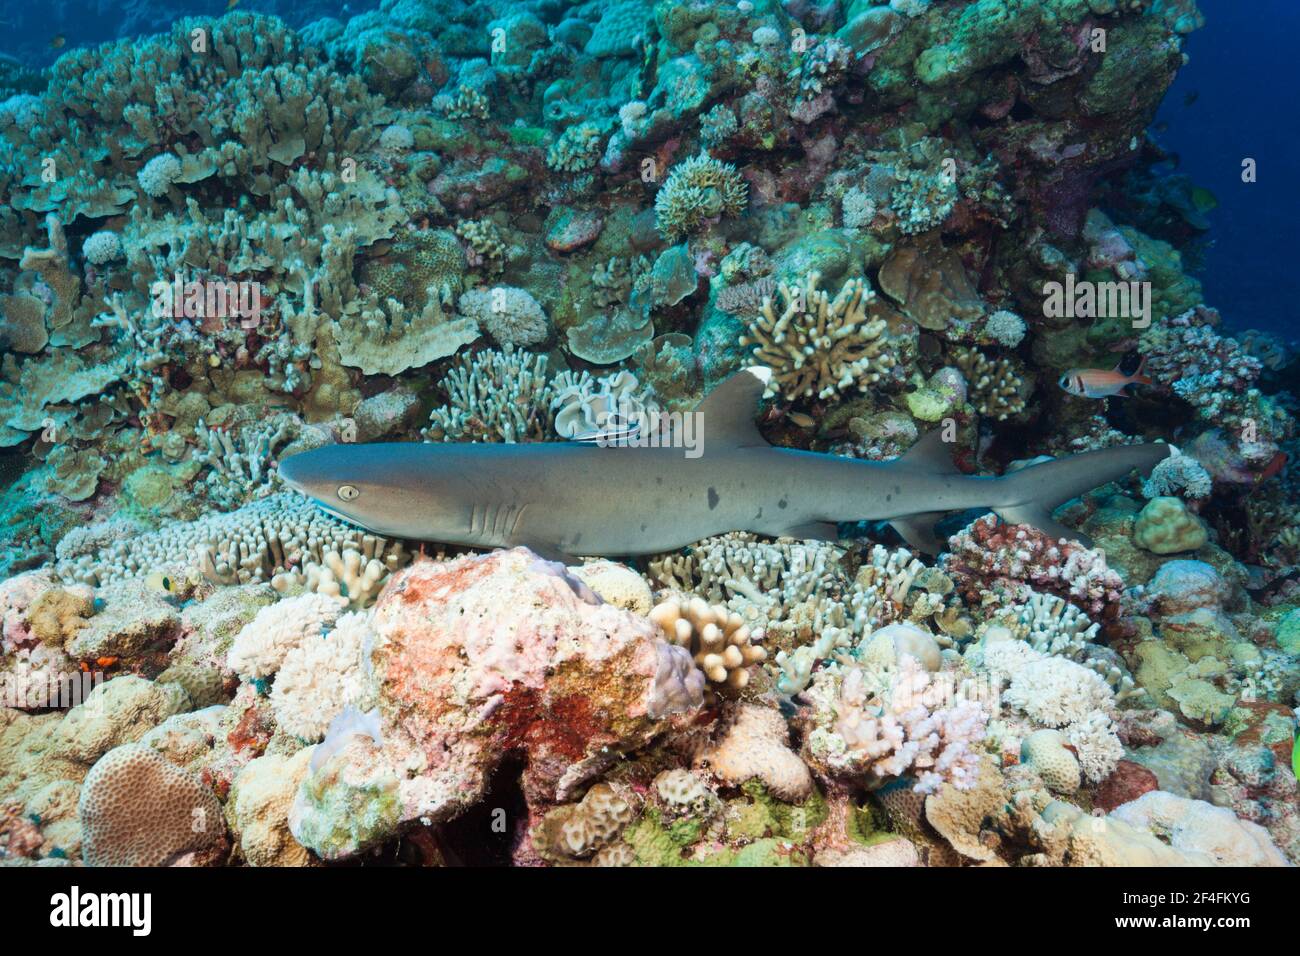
1010 561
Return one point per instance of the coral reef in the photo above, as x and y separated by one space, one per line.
456 222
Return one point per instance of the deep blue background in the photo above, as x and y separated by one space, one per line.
1244 69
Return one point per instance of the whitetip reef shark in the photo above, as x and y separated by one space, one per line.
569 499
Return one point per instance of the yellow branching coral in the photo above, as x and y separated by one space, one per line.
817 346
996 387
717 638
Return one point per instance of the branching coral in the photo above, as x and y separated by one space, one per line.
989 561
718 639
997 388
819 347
873 737
254 543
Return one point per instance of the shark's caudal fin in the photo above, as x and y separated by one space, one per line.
1035 492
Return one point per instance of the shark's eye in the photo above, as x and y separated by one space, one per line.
349 492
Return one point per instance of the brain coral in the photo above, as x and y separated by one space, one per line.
139 809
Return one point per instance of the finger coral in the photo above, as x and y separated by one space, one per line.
819 347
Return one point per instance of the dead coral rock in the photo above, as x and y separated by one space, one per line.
899 852
116 712
757 746
139 809
135 620
486 658
930 284
58 614
258 810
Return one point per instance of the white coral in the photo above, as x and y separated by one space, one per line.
264 642
1055 692
322 676
1097 745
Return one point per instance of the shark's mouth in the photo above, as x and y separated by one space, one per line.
347 519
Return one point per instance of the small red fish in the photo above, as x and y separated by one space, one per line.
1099 383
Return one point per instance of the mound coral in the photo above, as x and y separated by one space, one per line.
139 809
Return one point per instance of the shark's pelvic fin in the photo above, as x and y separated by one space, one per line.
918 531
728 411
814 530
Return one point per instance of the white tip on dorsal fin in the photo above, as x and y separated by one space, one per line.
932 453
728 411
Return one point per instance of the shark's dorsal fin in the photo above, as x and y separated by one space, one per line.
931 454
727 412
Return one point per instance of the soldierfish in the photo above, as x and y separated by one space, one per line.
1099 383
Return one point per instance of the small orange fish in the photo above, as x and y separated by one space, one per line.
56 42
231 4
1099 383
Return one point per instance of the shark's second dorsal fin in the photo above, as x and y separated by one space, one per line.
931 454
727 412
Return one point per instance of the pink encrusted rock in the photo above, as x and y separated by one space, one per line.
1126 783
16 596
569 230
487 658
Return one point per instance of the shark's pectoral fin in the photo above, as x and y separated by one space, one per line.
931 453
918 531
727 412
1041 518
812 530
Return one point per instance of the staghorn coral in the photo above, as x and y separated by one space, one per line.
819 347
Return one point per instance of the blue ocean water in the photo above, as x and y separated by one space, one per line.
1236 99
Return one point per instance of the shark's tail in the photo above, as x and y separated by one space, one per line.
1029 496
